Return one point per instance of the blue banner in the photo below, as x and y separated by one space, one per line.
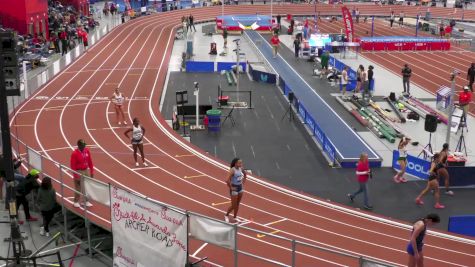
319 135
302 111
310 123
415 166
260 76
329 148
282 84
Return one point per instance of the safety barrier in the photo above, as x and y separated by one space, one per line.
200 227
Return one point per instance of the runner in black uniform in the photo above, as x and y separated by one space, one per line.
432 184
416 256
442 168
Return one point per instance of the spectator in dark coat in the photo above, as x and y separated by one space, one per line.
23 189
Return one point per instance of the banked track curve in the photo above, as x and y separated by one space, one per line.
135 57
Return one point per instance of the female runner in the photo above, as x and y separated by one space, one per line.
416 257
432 184
236 178
118 100
138 133
402 160
442 170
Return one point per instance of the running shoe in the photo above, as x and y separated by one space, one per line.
449 192
226 218
419 201
136 164
352 198
368 207
396 179
42 231
76 205
125 123
145 164
88 204
439 206
47 234
403 180
119 123
238 220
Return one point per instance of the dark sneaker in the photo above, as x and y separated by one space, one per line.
352 198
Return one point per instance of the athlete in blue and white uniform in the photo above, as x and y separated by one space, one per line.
138 133
416 256
236 179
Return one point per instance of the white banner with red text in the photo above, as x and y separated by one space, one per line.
145 233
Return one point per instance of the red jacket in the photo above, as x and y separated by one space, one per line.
465 97
362 167
81 161
63 35
83 35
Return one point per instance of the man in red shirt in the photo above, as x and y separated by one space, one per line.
81 163
362 173
83 35
275 44
465 98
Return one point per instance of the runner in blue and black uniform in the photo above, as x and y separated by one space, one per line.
416 256
236 178
442 169
432 183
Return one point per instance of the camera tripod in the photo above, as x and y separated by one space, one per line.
427 149
461 142
288 111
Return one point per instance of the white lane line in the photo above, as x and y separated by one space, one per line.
253 153
199 249
278 221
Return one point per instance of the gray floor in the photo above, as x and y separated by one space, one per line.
283 152
34 241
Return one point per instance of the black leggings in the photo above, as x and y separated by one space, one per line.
21 200
48 216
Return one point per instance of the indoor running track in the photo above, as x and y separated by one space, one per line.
134 57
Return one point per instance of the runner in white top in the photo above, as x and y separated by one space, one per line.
138 133
118 100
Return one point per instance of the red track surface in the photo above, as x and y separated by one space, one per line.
430 70
135 57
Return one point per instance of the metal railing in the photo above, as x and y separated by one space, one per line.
295 251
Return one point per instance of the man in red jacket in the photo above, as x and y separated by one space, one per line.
465 98
275 44
81 163
83 35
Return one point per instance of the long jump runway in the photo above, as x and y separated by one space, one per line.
134 57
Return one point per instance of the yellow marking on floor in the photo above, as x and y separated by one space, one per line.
220 203
272 233
194 176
